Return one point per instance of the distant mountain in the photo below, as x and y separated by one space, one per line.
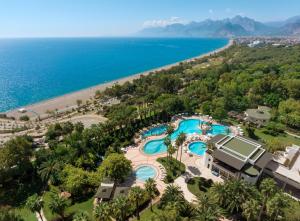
278 24
230 27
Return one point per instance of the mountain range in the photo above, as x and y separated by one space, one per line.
229 27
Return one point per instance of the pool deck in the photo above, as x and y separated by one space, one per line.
194 164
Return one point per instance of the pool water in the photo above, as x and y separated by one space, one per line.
155 131
143 173
155 147
198 148
189 127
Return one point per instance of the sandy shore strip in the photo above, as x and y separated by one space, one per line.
68 101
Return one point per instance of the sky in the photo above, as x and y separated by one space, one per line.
77 18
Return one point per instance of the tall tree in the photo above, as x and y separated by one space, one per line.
207 209
151 189
120 208
102 212
115 166
136 195
49 170
81 216
251 209
35 204
276 206
172 194
268 189
58 205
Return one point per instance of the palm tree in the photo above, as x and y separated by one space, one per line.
170 213
35 204
170 130
102 212
136 194
251 209
48 170
151 189
226 194
220 193
207 209
179 141
276 206
267 189
58 205
170 150
81 216
182 140
120 207
172 194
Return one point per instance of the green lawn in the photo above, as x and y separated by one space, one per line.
285 138
26 214
77 207
198 185
173 167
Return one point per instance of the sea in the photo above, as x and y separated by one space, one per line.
33 70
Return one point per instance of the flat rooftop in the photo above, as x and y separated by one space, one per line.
241 148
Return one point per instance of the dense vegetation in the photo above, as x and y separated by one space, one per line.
237 79
233 199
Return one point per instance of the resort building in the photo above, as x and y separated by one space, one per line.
285 169
236 157
259 116
108 190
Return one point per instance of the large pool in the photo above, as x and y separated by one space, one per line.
189 126
145 172
197 148
155 147
155 131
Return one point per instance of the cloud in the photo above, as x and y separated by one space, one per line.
211 11
163 22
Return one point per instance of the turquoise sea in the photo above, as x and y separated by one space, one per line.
32 70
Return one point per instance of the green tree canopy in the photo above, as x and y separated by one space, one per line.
115 166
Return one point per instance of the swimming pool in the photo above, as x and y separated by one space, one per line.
197 148
155 131
189 127
145 172
155 147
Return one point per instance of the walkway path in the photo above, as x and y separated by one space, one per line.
291 134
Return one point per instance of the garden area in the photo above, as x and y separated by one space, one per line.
198 185
174 168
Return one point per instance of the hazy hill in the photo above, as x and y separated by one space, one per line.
230 27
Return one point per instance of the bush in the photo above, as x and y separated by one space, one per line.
173 167
273 129
24 118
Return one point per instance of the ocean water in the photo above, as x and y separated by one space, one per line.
32 70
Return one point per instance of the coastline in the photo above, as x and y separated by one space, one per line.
68 101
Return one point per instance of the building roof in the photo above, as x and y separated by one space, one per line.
237 151
104 192
290 171
216 138
264 160
121 191
250 170
240 147
228 159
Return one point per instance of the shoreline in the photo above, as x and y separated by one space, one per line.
68 101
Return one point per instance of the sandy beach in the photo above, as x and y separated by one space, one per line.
68 101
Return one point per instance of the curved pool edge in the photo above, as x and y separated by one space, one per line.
196 154
145 165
